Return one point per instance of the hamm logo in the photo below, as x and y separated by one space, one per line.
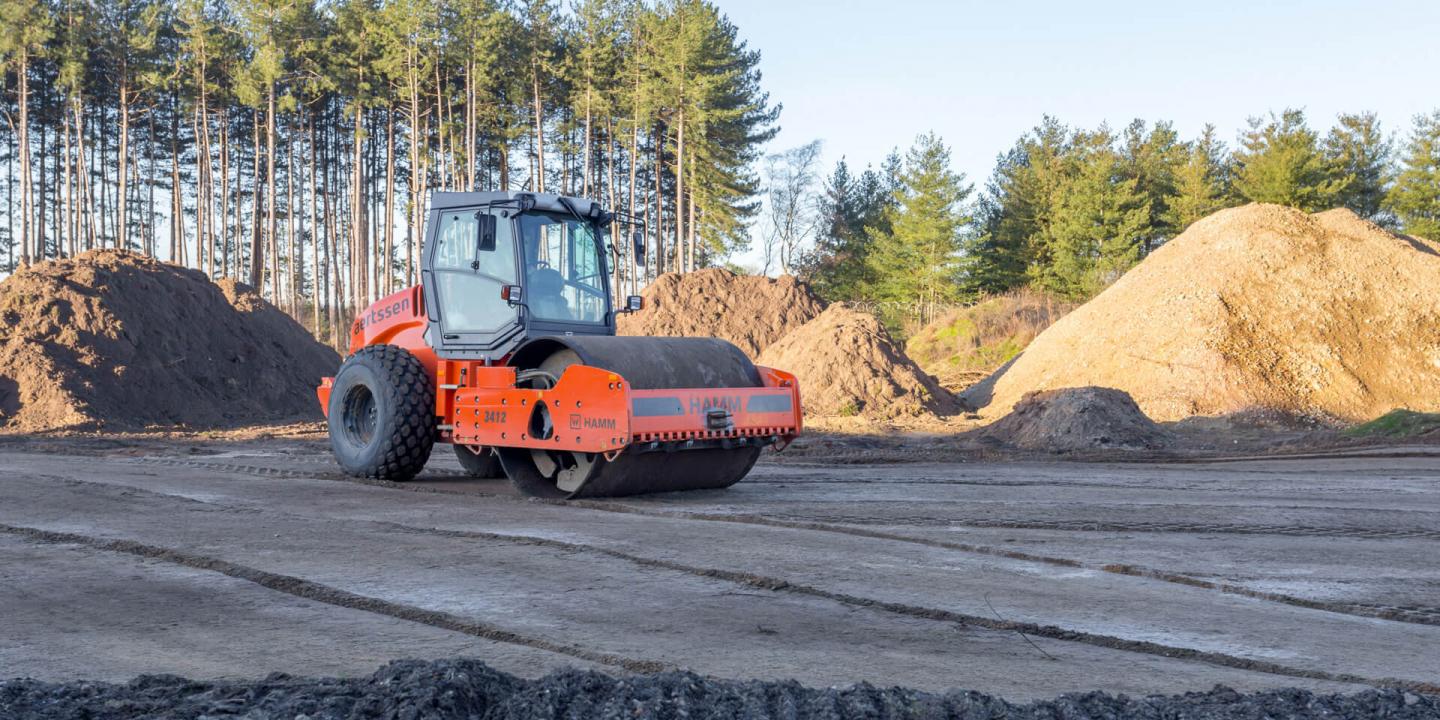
580 422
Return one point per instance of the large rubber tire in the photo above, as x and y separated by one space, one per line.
382 414
486 465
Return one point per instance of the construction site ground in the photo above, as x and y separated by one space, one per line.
241 556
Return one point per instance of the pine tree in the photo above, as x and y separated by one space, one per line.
1415 198
848 208
917 260
1280 162
1358 156
25 28
1201 183
1152 158
1101 223
1017 211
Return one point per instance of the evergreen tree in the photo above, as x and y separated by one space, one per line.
1280 162
849 207
917 260
1101 224
25 27
1017 211
1415 198
1358 156
1201 183
1152 158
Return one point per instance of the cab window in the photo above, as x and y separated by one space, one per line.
469 280
565 279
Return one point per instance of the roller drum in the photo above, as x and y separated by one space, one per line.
646 363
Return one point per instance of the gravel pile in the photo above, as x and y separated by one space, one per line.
471 690
1262 306
1077 420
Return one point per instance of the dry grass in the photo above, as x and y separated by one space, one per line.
969 343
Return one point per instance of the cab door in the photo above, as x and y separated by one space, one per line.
468 318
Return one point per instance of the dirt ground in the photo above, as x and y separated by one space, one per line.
235 555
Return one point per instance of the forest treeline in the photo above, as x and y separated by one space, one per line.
1067 210
292 144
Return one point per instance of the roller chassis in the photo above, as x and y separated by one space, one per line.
567 410
483 406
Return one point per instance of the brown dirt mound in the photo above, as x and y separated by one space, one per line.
848 365
1254 307
116 340
967 344
750 311
1076 420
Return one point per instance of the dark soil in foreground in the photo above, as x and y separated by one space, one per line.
471 689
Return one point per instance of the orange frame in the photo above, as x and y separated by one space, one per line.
594 410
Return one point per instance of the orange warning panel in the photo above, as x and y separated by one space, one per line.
595 411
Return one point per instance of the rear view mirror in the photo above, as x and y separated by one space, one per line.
485 233
637 242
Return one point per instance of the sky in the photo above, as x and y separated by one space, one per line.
866 77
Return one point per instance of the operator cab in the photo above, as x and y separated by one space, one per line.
499 268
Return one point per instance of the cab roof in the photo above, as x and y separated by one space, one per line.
543 201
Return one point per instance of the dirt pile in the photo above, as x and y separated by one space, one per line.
470 690
965 345
848 365
1077 420
1259 306
112 339
750 311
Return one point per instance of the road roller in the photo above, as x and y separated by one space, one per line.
507 351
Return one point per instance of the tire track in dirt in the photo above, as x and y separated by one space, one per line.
318 592
333 596
1420 615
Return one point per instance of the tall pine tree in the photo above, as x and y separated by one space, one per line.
917 260
1415 199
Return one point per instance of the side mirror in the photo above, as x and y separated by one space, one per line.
485 233
634 303
513 294
637 242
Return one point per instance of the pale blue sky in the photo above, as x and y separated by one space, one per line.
867 76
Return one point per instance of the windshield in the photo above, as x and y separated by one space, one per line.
564 278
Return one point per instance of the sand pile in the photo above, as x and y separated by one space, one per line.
1260 306
848 365
121 341
1077 419
748 310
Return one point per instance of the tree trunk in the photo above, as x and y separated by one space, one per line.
314 235
122 160
270 229
679 248
225 193
359 255
23 70
539 111
257 247
390 202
